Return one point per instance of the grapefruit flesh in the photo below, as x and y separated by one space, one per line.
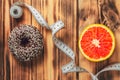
97 42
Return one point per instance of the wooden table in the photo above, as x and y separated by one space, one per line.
75 14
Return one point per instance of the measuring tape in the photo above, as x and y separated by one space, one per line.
16 12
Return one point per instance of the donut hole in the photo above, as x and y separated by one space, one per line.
24 42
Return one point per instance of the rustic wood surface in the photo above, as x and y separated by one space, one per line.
75 14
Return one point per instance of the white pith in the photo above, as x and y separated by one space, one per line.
96 43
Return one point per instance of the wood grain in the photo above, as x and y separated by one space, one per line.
76 14
1 43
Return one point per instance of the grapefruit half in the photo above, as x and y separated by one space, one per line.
96 42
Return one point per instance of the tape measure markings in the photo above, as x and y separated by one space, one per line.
70 67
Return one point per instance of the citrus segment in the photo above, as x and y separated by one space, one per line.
97 42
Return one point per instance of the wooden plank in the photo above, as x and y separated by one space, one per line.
112 18
68 34
38 68
6 20
76 14
22 71
89 13
1 43
116 75
13 69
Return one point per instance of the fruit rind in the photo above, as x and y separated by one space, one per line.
113 42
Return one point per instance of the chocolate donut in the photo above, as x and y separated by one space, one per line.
25 42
